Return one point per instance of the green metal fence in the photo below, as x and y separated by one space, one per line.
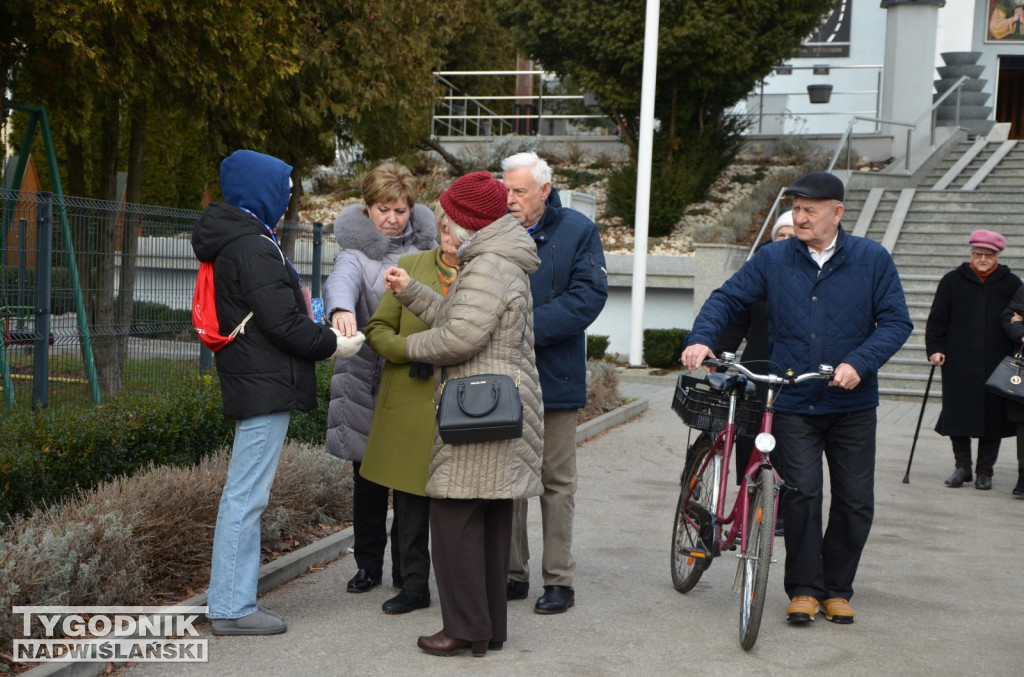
95 296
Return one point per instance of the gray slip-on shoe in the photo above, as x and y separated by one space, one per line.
259 622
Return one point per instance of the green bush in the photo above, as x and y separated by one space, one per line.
50 456
662 347
156 320
677 180
597 345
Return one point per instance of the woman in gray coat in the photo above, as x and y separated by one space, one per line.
372 237
484 325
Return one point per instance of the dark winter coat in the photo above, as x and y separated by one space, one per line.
851 310
965 325
569 291
1015 330
269 367
356 284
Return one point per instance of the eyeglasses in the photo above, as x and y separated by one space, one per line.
984 253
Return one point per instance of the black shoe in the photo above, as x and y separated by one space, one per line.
983 482
364 580
959 476
1019 489
557 599
404 602
779 530
516 589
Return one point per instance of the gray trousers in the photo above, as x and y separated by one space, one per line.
557 504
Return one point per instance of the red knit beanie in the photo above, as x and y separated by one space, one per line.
475 200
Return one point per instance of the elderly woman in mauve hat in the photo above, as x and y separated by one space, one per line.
965 336
483 325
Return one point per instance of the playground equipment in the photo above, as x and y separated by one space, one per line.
39 314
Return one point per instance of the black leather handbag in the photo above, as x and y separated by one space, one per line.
1007 379
481 408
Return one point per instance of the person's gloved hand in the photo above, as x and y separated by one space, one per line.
348 345
420 370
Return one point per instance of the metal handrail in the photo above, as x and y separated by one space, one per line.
931 113
768 219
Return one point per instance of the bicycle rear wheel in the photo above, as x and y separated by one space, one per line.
754 565
694 535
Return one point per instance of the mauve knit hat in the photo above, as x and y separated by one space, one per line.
475 200
987 239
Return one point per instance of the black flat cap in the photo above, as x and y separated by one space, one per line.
818 186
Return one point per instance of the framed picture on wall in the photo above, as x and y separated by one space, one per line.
1005 21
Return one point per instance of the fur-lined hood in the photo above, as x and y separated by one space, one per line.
354 230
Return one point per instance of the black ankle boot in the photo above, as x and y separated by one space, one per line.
1019 489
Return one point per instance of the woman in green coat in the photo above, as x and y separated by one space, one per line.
402 432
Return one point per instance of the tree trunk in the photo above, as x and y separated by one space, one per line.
104 349
130 230
456 164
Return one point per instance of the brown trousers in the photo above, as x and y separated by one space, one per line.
470 545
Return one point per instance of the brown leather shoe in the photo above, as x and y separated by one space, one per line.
838 610
440 644
802 609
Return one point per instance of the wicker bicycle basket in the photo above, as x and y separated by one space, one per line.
705 409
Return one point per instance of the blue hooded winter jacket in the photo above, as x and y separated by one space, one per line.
852 311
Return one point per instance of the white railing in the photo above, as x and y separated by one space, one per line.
461 113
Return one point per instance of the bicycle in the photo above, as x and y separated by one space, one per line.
723 406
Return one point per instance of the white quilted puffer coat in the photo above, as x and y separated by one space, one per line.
478 329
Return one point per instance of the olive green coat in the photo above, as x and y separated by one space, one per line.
402 432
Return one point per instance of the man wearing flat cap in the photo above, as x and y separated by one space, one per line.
830 298
965 337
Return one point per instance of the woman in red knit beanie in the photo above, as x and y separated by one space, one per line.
484 325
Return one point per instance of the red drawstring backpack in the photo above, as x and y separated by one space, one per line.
204 311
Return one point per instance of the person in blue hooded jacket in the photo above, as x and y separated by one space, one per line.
569 290
265 373
830 298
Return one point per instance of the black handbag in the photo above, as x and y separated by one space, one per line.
481 408
1007 380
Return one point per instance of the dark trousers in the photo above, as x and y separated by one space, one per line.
988 450
824 566
471 541
410 536
370 524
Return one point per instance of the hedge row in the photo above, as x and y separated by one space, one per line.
48 457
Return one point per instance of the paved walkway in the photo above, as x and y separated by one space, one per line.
939 592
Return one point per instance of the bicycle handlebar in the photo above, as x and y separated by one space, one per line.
725 362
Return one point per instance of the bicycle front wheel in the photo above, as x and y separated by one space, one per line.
692 531
755 564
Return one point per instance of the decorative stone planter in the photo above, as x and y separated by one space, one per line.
819 93
968 86
959 71
960 58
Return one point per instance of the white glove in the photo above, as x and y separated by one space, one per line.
348 345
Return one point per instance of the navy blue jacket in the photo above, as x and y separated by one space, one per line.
854 311
569 290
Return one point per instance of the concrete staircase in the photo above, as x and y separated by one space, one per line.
978 184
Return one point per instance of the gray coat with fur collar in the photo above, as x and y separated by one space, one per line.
356 284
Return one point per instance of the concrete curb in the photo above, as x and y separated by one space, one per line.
294 564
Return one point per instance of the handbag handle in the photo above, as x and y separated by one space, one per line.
478 414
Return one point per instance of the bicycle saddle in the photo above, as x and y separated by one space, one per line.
726 382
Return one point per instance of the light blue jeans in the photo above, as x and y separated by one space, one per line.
235 566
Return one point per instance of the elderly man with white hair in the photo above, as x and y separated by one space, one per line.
569 290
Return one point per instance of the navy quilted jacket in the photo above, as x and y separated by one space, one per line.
853 311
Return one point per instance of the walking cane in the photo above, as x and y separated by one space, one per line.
931 375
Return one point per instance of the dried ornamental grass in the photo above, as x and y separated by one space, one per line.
148 538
